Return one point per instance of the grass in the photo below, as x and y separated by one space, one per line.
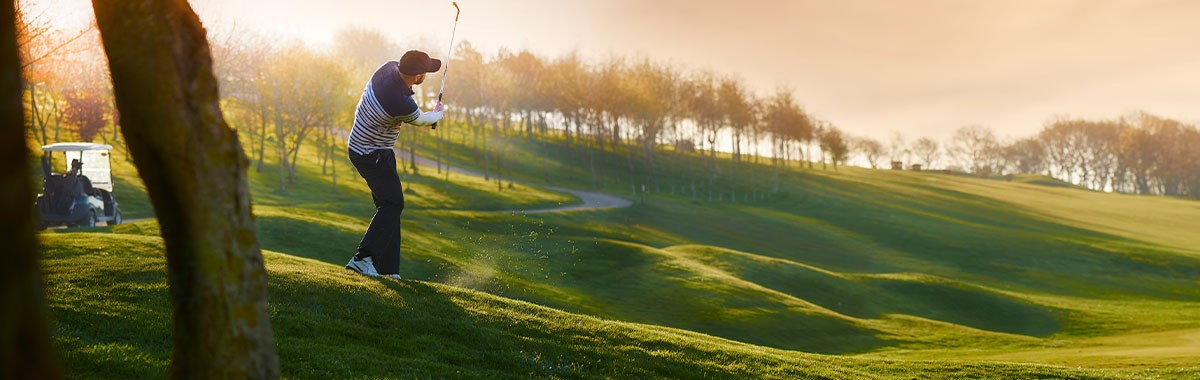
313 189
903 274
983 254
331 323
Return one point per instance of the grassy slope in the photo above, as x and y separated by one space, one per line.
898 265
330 323
876 259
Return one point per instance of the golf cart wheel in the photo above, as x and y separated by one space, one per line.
91 219
116 217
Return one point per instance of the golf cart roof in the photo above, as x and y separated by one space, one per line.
74 146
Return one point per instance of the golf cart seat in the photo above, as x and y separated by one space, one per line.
86 184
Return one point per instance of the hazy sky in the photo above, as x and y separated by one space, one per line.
922 67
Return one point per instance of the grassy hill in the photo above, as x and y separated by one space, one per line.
112 319
881 267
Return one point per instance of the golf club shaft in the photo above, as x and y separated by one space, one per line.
449 51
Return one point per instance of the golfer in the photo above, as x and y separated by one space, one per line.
386 103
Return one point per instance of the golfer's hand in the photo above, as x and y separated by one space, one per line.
439 107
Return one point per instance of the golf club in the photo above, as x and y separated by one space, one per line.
449 51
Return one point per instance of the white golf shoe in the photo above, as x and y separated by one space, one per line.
362 266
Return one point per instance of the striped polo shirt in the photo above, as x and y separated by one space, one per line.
386 103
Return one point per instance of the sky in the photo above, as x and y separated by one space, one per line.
919 67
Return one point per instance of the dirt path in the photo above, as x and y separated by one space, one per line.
591 201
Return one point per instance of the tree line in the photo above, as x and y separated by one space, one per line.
1138 153
286 95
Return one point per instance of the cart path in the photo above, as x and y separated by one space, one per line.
591 200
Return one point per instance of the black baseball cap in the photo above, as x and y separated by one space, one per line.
416 62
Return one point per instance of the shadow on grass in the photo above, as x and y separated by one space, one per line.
852 227
633 283
873 297
418 330
108 297
115 323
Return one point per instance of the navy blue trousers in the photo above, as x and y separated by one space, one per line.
382 241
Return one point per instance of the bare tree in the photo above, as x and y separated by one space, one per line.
833 145
898 147
927 150
362 50
1083 151
1171 169
195 173
468 81
738 112
1100 144
49 62
648 97
1136 151
308 95
974 148
37 40
705 108
242 60
1064 144
871 150
1026 156
785 120
566 86
46 108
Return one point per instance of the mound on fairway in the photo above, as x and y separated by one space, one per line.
108 294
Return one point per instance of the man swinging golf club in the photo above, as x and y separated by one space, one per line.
386 103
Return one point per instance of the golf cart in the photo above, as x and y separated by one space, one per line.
82 194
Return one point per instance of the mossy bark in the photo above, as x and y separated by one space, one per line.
25 348
195 173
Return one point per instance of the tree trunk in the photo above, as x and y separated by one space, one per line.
195 173
619 132
57 124
412 150
37 116
262 133
474 126
292 163
322 154
332 152
437 140
737 145
592 163
280 143
25 348
486 153
116 124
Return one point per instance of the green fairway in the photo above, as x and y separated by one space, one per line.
112 323
904 274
